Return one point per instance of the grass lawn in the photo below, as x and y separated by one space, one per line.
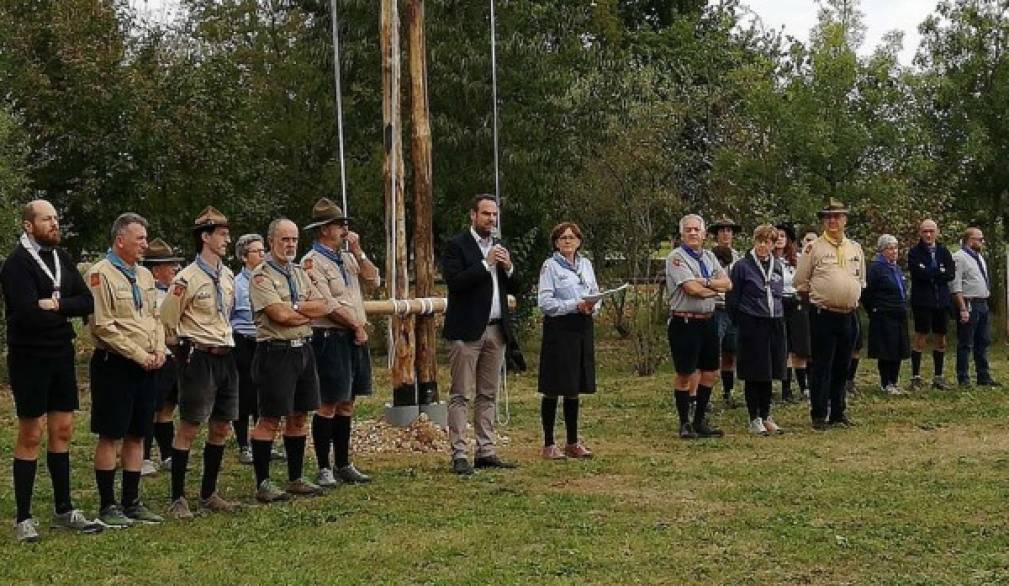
914 495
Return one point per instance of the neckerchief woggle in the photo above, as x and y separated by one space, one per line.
58 277
131 275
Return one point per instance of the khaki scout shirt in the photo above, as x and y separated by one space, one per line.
680 268
831 285
269 287
191 307
117 325
325 274
171 336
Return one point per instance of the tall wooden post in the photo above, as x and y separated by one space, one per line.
423 201
395 207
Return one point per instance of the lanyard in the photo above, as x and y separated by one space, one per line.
58 277
767 280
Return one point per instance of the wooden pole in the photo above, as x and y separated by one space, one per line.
423 202
402 343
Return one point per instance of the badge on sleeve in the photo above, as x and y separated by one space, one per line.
96 279
259 279
179 290
307 264
677 262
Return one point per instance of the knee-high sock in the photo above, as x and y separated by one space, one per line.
800 377
938 357
106 482
180 460
751 394
24 485
915 363
241 427
322 438
548 417
571 418
294 445
59 471
212 456
164 434
701 403
728 380
682 397
131 488
261 454
341 440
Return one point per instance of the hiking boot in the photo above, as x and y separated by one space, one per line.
325 478
686 431
841 421
939 383
302 487
757 427
179 509
75 521
216 504
702 429
772 427
141 514
577 451
820 424
917 382
148 467
492 461
113 517
268 492
245 455
552 452
350 475
461 466
26 531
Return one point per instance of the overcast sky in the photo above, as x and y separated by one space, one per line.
881 16
796 16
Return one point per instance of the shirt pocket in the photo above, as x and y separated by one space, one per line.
122 302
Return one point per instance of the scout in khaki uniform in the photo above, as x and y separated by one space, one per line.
197 309
129 348
164 265
340 340
831 274
284 302
694 279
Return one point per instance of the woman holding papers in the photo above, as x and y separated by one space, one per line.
754 302
567 356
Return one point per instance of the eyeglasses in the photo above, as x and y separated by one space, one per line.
256 251
568 237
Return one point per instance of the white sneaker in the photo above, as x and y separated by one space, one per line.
325 478
893 390
772 427
26 531
148 467
757 427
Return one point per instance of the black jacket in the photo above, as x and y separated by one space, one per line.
930 286
24 283
881 294
470 290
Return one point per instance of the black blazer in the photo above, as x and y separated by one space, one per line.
930 286
470 290
881 294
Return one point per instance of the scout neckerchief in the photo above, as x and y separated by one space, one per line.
334 256
698 256
766 274
131 275
894 272
574 268
215 276
55 278
839 246
980 265
292 283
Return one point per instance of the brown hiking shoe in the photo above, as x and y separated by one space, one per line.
216 504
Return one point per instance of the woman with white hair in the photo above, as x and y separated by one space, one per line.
885 299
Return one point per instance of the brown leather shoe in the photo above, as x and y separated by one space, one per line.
552 452
577 451
216 504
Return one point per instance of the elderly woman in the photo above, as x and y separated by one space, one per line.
796 315
885 299
567 356
755 304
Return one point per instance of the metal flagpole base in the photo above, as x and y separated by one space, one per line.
402 416
437 412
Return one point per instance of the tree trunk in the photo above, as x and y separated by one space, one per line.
423 201
402 345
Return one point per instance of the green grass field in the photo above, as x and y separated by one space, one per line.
916 494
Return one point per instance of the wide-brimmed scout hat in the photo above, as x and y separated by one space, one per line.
725 222
788 229
160 252
211 218
833 206
326 212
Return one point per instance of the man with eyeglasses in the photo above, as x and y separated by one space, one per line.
831 274
971 287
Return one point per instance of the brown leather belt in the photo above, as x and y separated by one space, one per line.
687 315
215 350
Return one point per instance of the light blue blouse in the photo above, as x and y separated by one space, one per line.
562 287
241 312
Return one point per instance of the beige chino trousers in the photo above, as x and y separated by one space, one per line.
476 370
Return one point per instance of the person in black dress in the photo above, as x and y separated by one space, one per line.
885 300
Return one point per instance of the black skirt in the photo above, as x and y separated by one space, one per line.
567 356
797 326
761 355
888 339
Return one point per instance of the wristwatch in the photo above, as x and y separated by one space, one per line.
295 306
362 257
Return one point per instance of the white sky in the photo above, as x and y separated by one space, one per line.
881 16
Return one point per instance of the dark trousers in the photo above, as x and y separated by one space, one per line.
974 335
832 337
